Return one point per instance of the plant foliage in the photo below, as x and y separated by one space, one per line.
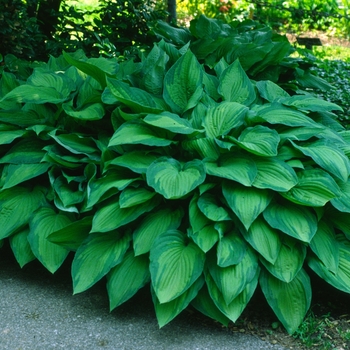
179 171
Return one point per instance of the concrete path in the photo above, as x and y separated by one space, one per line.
38 312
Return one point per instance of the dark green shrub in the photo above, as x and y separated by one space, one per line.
195 180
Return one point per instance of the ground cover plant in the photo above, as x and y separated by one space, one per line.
194 174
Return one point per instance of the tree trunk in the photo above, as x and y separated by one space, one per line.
172 11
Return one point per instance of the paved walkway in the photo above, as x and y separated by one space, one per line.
38 312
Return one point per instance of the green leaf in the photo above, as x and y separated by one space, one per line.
42 223
264 239
310 103
72 236
183 84
290 260
125 279
111 215
134 196
175 265
204 304
274 174
296 221
221 119
246 202
21 248
231 249
342 201
96 256
270 91
9 136
328 156
210 207
259 140
289 301
314 188
136 99
235 86
137 132
166 312
234 309
234 167
17 206
204 146
232 280
174 180
171 122
152 226
137 161
94 111
326 247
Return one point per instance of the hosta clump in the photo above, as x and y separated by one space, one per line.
199 182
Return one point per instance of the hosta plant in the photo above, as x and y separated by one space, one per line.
198 182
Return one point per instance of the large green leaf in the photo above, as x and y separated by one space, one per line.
166 312
111 216
152 226
289 261
17 206
170 121
246 202
264 239
125 279
94 111
232 280
342 201
270 91
134 196
221 119
289 301
96 256
296 221
328 156
234 167
231 249
183 84
274 174
259 140
136 99
72 236
234 309
204 146
21 248
42 223
314 188
235 86
175 265
326 247
138 132
174 180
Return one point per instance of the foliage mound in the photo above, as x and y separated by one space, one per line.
192 178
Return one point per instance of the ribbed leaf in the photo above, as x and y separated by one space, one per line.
170 121
326 247
270 91
342 201
289 301
96 256
93 111
246 202
211 208
274 174
134 196
166 312
233 167
154 225
174 180
259 140
44 222
21 248
221 119
314 188
235 86
183 84
298 222
231 249
175 265
329 157
232 280
310 103
125 279
264 239
236 307
290 260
